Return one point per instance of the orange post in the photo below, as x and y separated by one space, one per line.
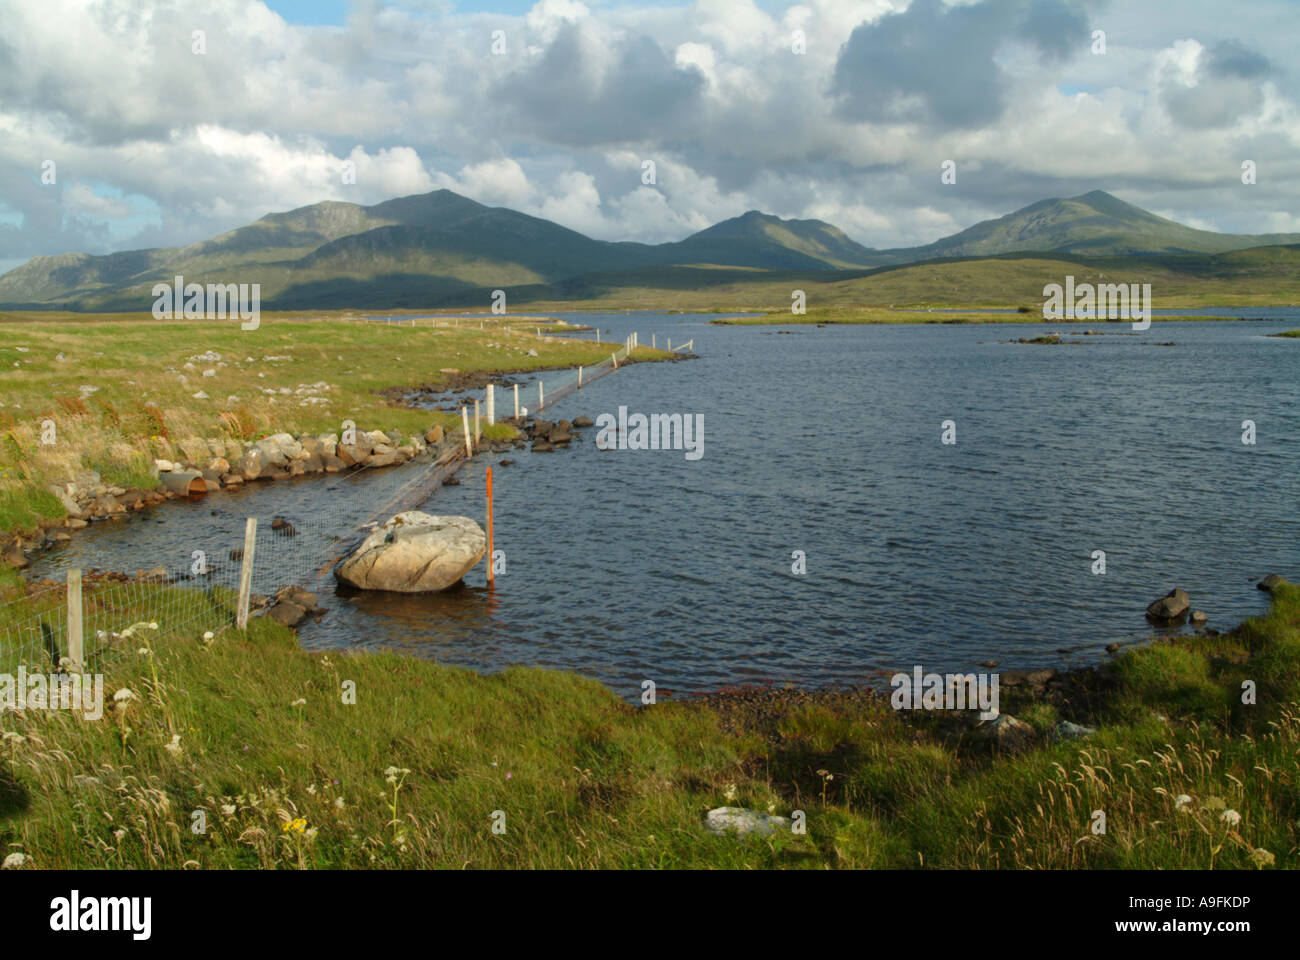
489 529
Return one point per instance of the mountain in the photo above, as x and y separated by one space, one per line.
1093 224
441 247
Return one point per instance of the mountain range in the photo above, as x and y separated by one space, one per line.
441 247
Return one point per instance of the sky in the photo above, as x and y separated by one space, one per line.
117 132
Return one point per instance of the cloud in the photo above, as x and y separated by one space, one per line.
157 145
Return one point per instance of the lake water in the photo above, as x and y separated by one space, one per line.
633 565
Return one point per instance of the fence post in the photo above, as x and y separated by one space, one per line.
516 401
76 649
246 573
469 444
478 432
580 378
614 357
598 334
541 402
490 577
652 342
491 405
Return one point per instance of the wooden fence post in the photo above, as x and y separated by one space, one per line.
478 432
491 405
246 573
76 639
516 401
469 444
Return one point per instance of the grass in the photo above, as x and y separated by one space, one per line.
1290 333
259 737
1261 276
113 392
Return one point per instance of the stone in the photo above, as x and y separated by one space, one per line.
1065 730
1199 617
13 556
415 552
1170 607
1272 581
433 435
1005 732
739 822
583 421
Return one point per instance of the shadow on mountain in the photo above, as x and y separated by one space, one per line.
389 291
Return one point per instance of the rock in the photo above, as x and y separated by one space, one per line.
252 464
301 598
157 573
1113 647
280 448
13 556
1169 607
70 506
283 527
541 446
332 463
1005 732
1032 678
76 523
415 552
384 456
1273 580
1065 730
313 463
1199 617
737 821
351 453
559 436
583 421
232 480
433 435
287 613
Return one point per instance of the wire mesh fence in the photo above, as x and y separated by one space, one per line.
96 617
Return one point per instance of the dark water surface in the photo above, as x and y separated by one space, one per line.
627 565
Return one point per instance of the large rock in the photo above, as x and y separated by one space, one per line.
738 821
1005 732
1170 607
1272 581
415 552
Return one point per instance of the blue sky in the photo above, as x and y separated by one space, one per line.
157 146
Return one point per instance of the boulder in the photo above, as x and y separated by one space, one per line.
286 612
251 464
433 435
583 421
1199 617
415 552
351 453
737 821
13 556
1271 581
1065 730
1170 607
1005 732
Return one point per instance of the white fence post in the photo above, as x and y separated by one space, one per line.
76 649
477 430
541 402
580 378
246 573
491 405
469 443
516 401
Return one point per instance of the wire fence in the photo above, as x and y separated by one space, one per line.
94 618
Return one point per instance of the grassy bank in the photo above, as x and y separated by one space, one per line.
256 734
122 390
